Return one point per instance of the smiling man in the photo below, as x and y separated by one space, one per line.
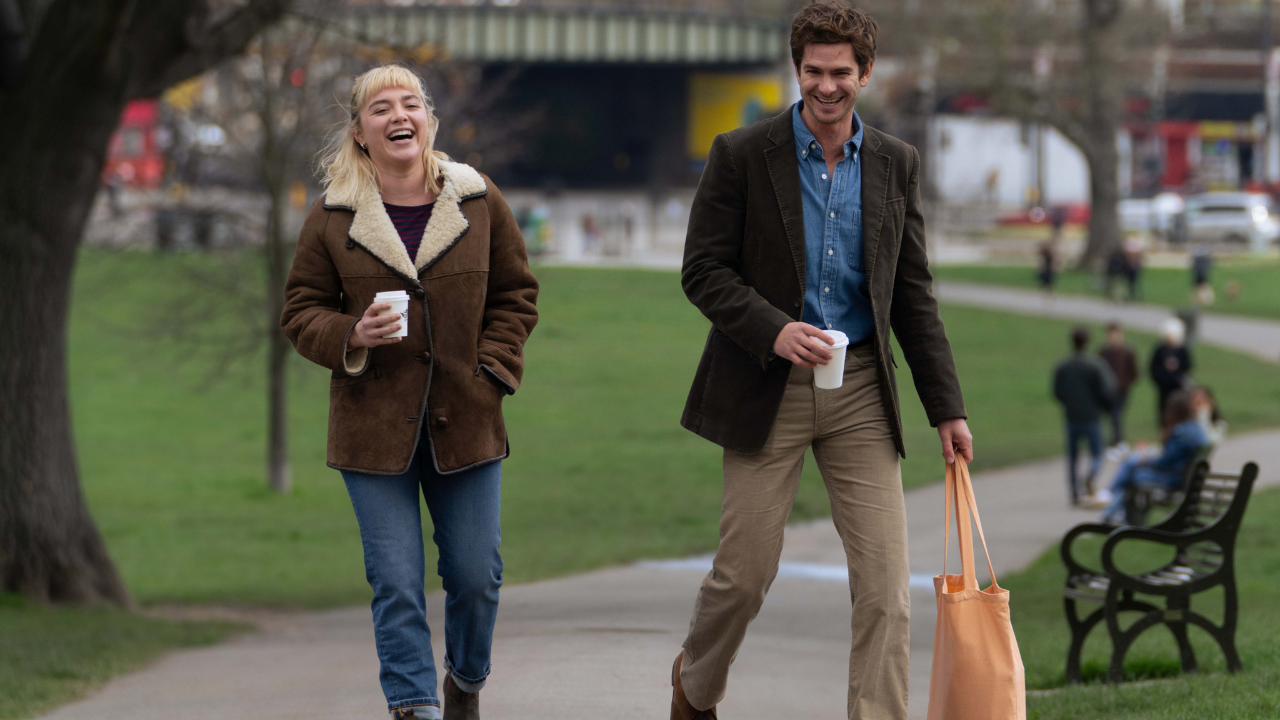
805 223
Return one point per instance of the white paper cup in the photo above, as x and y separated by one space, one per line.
399 300
831 375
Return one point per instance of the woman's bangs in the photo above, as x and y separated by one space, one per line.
379 79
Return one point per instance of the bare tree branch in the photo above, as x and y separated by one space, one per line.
208 43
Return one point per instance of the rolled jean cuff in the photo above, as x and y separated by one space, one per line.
466 686
422 709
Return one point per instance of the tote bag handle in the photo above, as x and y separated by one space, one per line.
959 488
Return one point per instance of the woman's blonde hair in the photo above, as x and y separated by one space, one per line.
347 171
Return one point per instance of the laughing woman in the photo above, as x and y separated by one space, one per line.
422 412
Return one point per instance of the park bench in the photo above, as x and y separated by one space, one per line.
1145 499
1202 532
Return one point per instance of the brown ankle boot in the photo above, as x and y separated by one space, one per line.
459 705
680 707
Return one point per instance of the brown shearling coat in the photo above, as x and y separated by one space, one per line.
471 308
744 268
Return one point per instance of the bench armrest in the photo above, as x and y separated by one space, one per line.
1074 568
1178 540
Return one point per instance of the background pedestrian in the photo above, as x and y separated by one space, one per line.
1133 267
1085 387
1123 363
1170 363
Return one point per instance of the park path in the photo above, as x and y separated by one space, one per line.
1258 337
600 645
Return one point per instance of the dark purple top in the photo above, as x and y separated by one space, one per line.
410 222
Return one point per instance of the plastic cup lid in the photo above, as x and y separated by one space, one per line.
391 295
839 339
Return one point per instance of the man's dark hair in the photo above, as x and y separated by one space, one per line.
835 21
1080 338
1177 410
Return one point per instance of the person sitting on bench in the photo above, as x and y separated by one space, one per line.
1184 437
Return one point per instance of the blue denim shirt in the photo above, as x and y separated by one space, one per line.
1181 447
835 281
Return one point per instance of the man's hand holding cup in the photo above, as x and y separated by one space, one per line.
803 344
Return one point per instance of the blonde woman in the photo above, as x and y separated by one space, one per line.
421 412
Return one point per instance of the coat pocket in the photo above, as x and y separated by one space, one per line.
342 380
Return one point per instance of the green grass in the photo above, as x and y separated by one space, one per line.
601 472
1259 282
50 655
1213 693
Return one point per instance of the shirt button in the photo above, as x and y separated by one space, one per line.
826 289
811 145
803 153
824 176
833 214
831 252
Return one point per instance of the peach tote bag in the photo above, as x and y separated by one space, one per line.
977 669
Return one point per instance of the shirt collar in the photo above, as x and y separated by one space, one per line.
804 138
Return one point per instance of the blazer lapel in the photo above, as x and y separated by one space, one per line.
875 193
784 172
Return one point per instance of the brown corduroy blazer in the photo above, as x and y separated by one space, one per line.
471 309
744 268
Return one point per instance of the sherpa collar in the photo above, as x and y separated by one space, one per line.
372 228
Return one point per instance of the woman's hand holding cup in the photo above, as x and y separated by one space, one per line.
374 326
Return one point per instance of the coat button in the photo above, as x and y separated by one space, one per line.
423 357
442 422
419 293
797 303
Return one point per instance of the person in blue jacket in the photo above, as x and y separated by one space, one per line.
1184 437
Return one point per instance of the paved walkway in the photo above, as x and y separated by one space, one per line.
600 645
1253 336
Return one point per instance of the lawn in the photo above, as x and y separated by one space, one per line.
1259 282
1253 694
172 463
50 655
601 473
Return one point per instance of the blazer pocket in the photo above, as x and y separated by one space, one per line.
895 215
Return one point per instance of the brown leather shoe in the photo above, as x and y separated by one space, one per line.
680 707
459 705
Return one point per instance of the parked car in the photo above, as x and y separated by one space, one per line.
1158 214
1243 219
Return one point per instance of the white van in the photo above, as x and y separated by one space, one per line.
1246 220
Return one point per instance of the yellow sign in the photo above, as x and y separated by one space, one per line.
720 102
1217 129
183 96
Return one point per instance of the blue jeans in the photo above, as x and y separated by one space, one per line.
1132 474
464 508
1077 431
1117 417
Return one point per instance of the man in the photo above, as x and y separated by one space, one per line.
1123 363
806 222
1085 387
1170 364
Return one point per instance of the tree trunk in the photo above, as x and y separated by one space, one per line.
278 349
1101 99
63 100
50 549
61 115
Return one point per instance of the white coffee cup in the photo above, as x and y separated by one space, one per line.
399 300
831 375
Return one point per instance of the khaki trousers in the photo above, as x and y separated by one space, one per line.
853 444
